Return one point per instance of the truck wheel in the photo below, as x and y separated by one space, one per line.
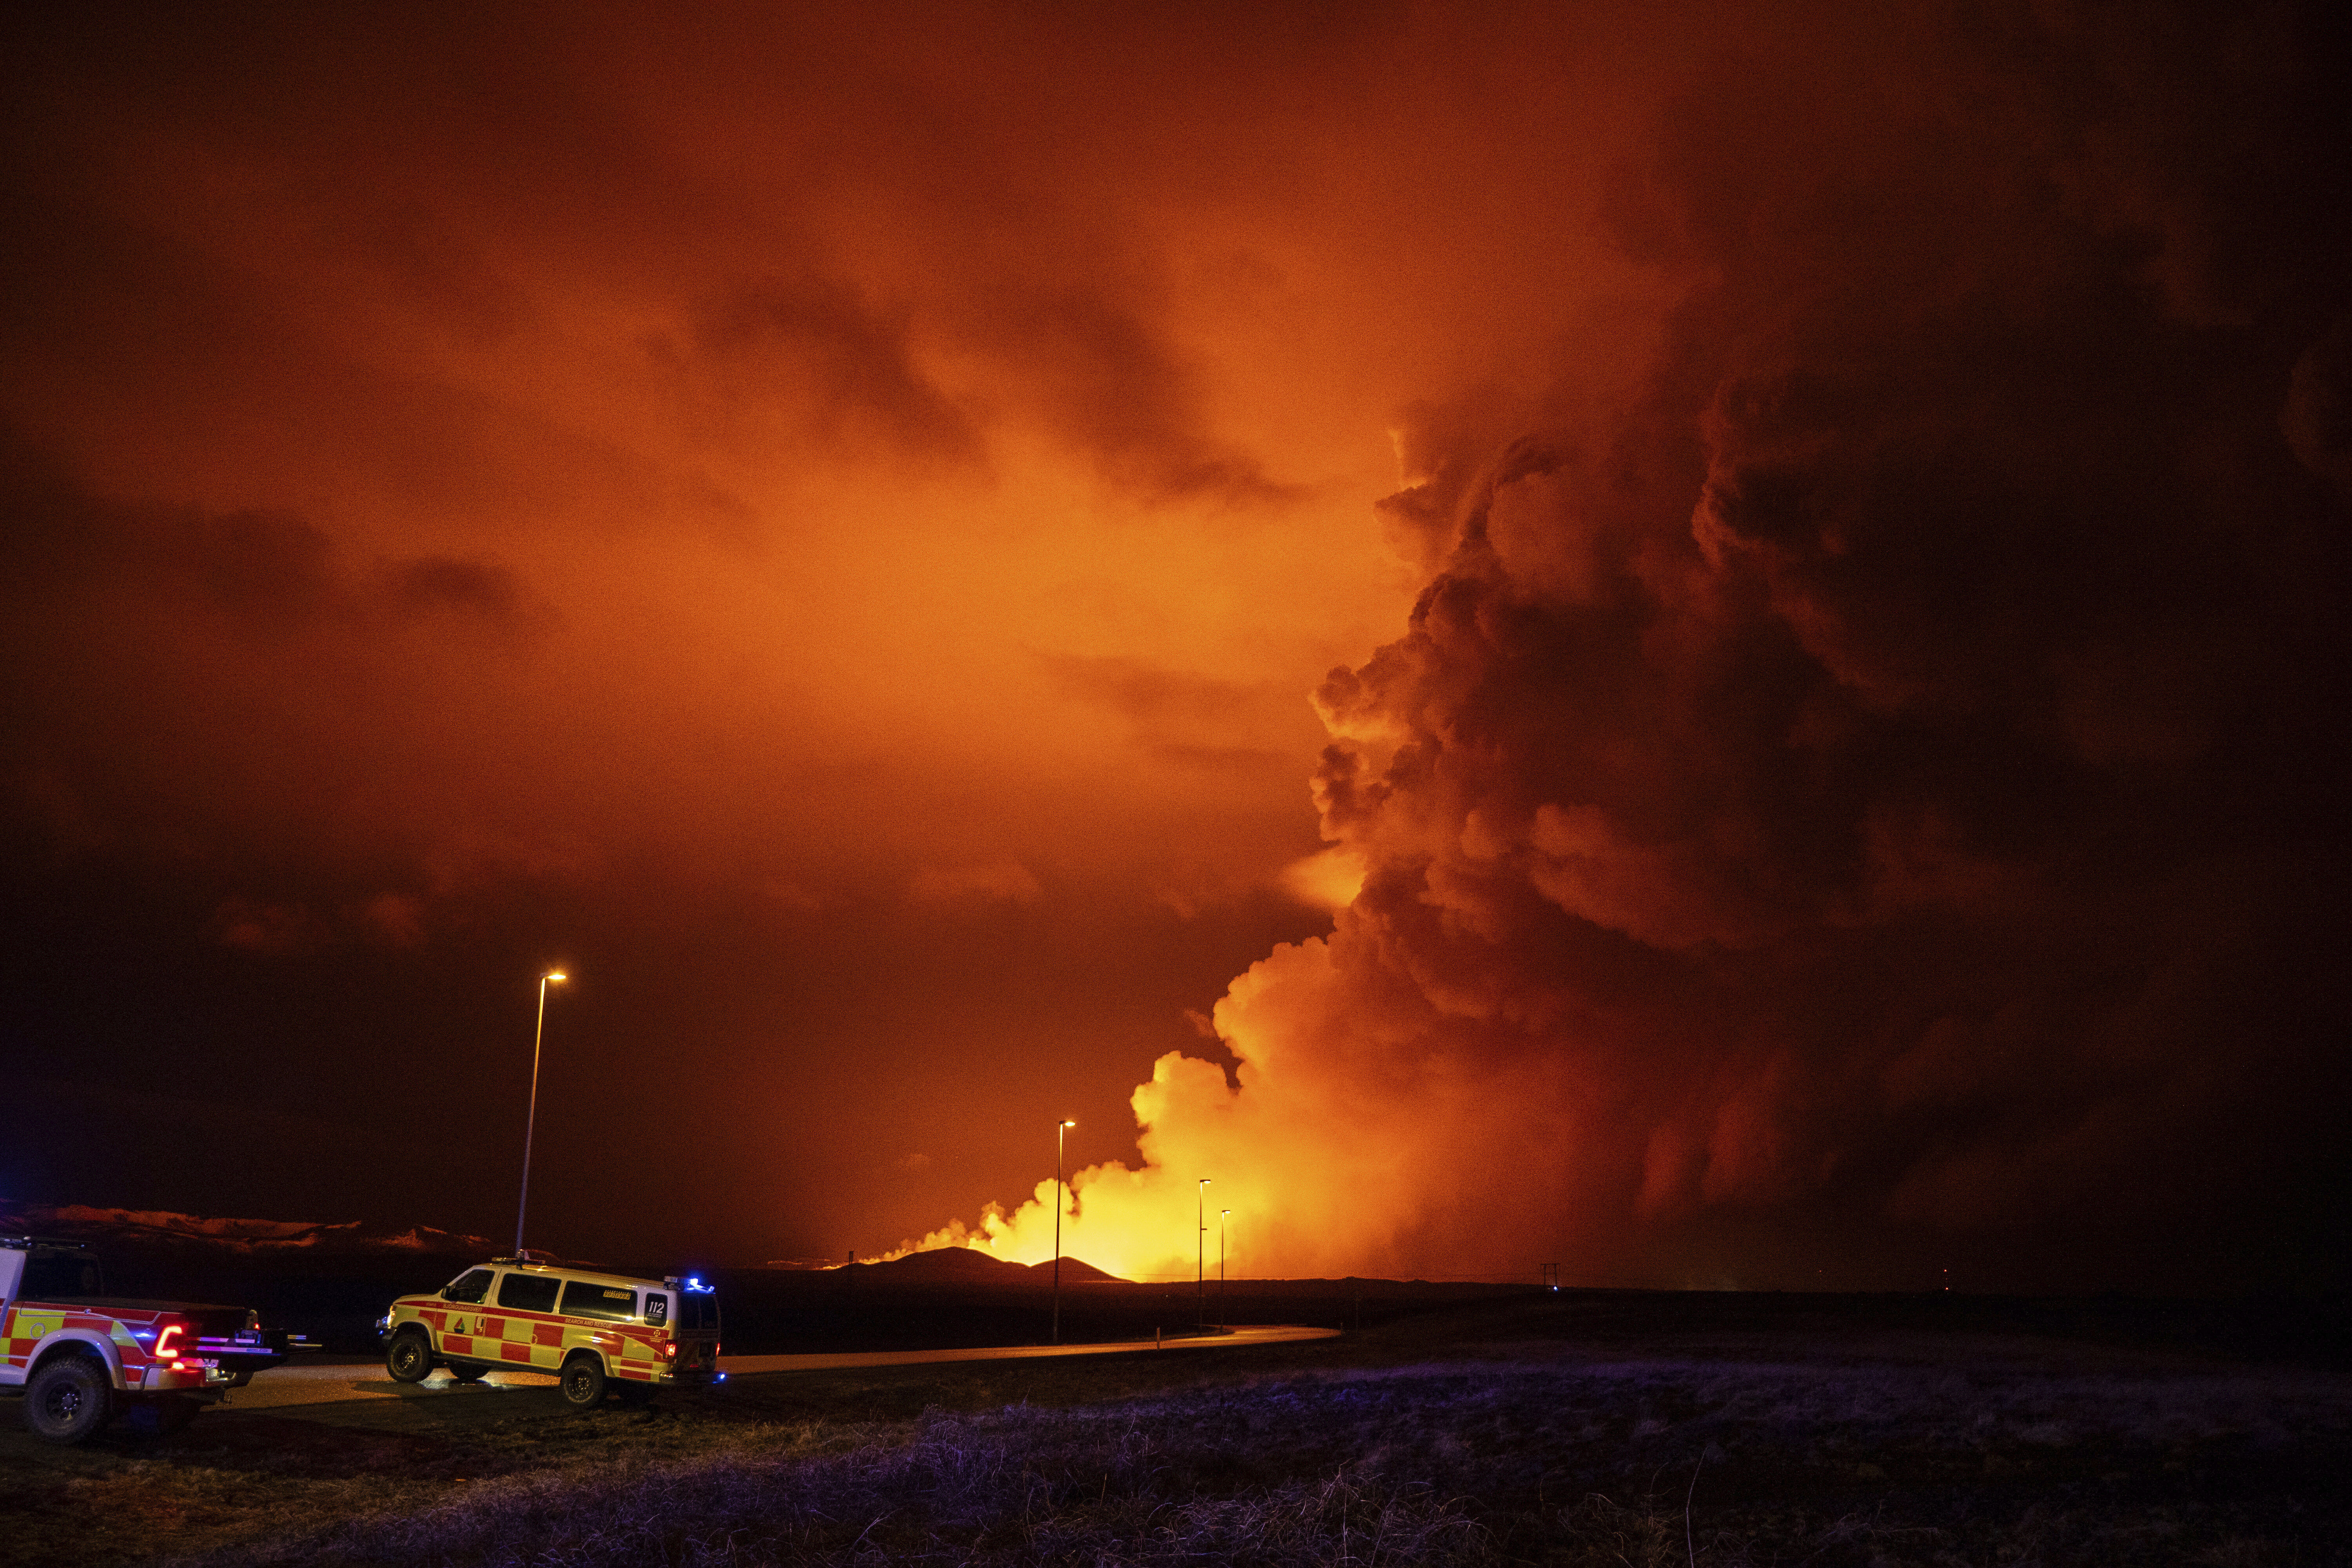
410 1359
465 1373
68 1400
584 1382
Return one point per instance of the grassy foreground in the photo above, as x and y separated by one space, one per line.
1435 1442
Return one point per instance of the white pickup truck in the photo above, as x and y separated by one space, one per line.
81 1357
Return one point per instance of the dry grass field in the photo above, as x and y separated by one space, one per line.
1499 1432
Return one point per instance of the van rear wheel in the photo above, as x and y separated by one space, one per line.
584 1382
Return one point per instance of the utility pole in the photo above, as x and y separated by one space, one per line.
1224 1319
1060 1128
1201 1250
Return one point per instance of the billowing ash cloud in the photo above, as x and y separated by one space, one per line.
1868 800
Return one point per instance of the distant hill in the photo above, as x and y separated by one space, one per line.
968 1266
238 1238
1074 1271
961 1264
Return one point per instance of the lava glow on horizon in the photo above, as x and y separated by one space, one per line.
1701 646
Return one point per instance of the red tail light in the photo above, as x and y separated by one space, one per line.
167 1342
669 1349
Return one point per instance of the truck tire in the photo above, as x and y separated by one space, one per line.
410 1358
68 1400
468 1371
584 1382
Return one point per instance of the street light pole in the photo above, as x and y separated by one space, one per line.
530 1121
1201 1250
1060 1128
1223 1322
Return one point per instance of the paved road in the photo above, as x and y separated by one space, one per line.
334 1380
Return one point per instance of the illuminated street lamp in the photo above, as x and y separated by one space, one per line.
530 1121
1060 1193
1201 1250
1223 1322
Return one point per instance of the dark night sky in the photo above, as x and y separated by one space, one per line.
1710 648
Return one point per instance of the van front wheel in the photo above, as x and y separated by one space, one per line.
584 1382
410 1359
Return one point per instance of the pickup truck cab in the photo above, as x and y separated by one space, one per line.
80 1357
597 1332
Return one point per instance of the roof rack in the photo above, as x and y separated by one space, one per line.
23 1242
531 1256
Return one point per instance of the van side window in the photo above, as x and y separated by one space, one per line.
526 1294
656 1309
469 1286
609 1302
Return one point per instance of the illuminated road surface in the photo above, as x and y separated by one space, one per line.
311 1382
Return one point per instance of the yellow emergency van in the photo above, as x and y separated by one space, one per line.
596 1332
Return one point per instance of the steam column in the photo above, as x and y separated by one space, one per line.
531 1121
1200 1248
1061 1195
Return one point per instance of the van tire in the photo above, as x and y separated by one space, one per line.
410 1359
583 1381
68 1399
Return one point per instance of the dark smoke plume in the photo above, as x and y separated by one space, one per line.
1869 802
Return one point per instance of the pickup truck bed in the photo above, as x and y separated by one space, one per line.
80 1358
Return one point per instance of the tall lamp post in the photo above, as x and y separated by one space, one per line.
1060 1128
1200 1248
530 1121
1223 1320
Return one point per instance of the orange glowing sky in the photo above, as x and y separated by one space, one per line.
834 525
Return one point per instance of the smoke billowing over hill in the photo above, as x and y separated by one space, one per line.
1859 792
